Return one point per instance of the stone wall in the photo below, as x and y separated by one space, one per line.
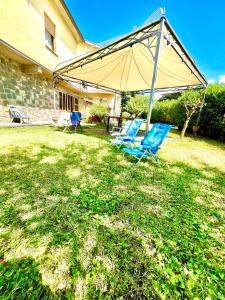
32 92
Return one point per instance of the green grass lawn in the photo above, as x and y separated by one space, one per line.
80 221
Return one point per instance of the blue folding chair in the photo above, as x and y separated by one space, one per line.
121 131
75 118
151 143
131 134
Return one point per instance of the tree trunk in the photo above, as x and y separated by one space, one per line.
185 125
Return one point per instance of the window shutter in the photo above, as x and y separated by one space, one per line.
49 26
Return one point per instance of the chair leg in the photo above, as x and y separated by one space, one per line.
118 146
140 158
156 158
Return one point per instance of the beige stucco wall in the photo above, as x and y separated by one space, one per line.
22 26
85 48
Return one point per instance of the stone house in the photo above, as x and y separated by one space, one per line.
36 36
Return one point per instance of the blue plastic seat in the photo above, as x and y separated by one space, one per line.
151 143
131 134
75 118
116 131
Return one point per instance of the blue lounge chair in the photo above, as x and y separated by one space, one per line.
151 143
121 131
75 118
131 134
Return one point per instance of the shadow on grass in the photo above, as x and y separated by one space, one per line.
20 279
100 133
96 226
206 140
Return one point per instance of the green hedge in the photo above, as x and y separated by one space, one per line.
212 118
169 111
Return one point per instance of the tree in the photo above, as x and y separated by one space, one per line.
124 99
192 101
137 105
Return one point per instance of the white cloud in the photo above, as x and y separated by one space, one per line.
210 81
222 79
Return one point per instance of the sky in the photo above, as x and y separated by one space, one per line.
200 25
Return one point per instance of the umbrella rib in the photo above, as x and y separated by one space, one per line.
123 72
111 70
167 72
128 70
174 76
140 72
90 71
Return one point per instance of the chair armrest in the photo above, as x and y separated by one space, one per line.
149 148
138 141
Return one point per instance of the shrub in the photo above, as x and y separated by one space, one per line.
125 115
137 105
168 111
211 119
98 111
94 119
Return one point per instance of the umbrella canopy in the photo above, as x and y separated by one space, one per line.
127 65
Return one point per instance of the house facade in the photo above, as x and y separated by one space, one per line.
36 36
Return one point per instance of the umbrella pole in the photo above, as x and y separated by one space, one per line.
154 77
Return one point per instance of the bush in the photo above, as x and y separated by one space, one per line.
137 105
98 111
125 115
168 111
212 117
94 119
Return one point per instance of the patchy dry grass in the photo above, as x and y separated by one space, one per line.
80 221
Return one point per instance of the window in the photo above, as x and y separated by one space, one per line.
49 33
76 105
68 102
49 40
